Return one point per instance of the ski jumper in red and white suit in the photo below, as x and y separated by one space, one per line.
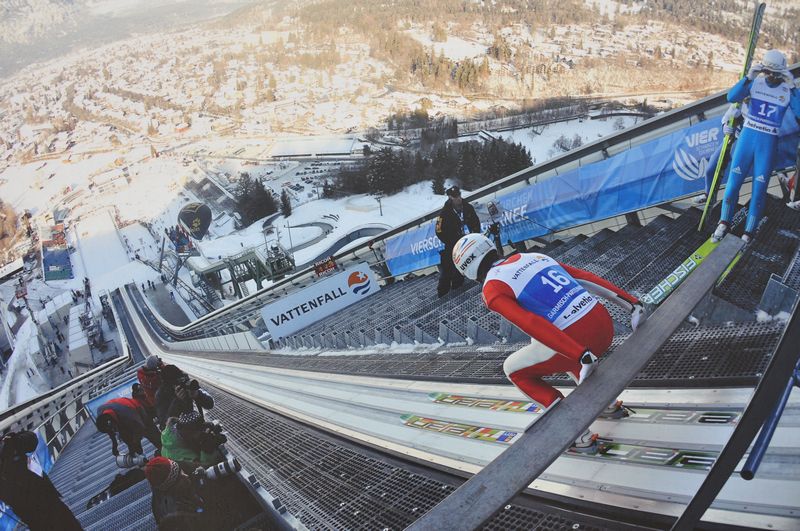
543 299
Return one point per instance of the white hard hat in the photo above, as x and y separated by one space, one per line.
774 61
469 252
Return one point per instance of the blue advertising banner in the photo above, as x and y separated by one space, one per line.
413 249
659 170
654 172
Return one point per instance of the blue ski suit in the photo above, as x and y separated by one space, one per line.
757 143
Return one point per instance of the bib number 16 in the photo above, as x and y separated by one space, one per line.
555 280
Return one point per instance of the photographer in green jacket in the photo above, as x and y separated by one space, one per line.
188 439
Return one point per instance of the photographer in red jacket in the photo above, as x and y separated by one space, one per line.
129 418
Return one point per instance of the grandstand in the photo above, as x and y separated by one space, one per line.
346 424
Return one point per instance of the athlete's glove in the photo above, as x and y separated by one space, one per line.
588 365
754 71
732 113
638 316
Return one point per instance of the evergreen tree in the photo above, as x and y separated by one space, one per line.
327 190
440 166
286 204
437 184
385 173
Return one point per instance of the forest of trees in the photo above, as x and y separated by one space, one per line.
253 201
472 164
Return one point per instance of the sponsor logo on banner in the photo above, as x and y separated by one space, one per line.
692 157
763 128
358 282
319 300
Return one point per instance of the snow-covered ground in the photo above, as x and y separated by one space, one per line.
99 245
294 146
541 147
454 48
254 236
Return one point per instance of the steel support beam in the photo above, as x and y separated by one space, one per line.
478 499
766 395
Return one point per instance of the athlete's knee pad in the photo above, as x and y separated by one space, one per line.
527 356
543 394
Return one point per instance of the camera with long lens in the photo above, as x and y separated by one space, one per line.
227 467
130 461
212 437
187 383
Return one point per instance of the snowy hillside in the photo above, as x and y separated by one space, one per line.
23 21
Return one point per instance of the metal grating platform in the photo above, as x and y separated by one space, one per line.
633 257
770 253
329 485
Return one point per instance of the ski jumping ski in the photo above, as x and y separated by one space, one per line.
605 448
662 289
755 28
665 416
668 284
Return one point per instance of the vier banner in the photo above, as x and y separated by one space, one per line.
657 171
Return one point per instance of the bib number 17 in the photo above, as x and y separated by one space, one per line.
767 110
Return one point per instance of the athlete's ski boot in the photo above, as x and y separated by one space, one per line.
719 233
747 238
585 444
615 411
588 365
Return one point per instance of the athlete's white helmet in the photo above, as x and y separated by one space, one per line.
469 252
774 61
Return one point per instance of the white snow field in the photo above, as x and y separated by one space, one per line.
99 244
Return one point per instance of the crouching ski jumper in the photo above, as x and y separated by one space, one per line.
553 303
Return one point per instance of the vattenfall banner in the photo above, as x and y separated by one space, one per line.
649 174
321 299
